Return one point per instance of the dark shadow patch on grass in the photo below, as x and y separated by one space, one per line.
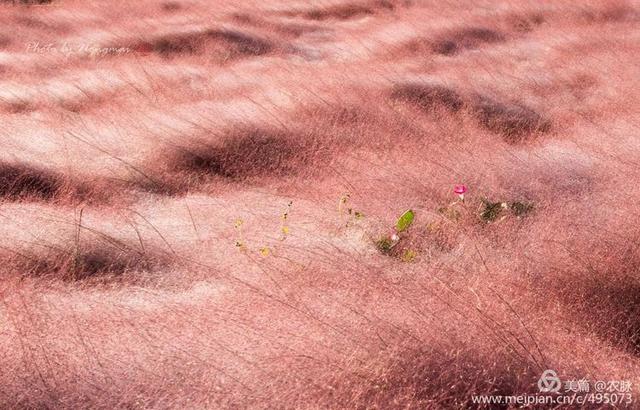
32 22
5 41
427 97
229 44
171 6
287 29
245 154
345 117
514 121
606 303
17 107
348 11
169 185
341 12
27 2
106 260
421 378
21 181
24 182
615 13
258 153
455 41
594 276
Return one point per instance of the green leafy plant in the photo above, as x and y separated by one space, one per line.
405 221
386 243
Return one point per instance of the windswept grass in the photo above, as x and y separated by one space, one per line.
338 204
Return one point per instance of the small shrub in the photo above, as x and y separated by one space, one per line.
408 255
520 209
491 210
385 245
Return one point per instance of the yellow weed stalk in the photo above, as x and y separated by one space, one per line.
285 218
240 243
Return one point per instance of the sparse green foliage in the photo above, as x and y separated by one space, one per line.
409 255
358 214
405 221
521 208
353 215
385 245
490 211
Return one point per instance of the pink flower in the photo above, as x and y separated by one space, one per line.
460 190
